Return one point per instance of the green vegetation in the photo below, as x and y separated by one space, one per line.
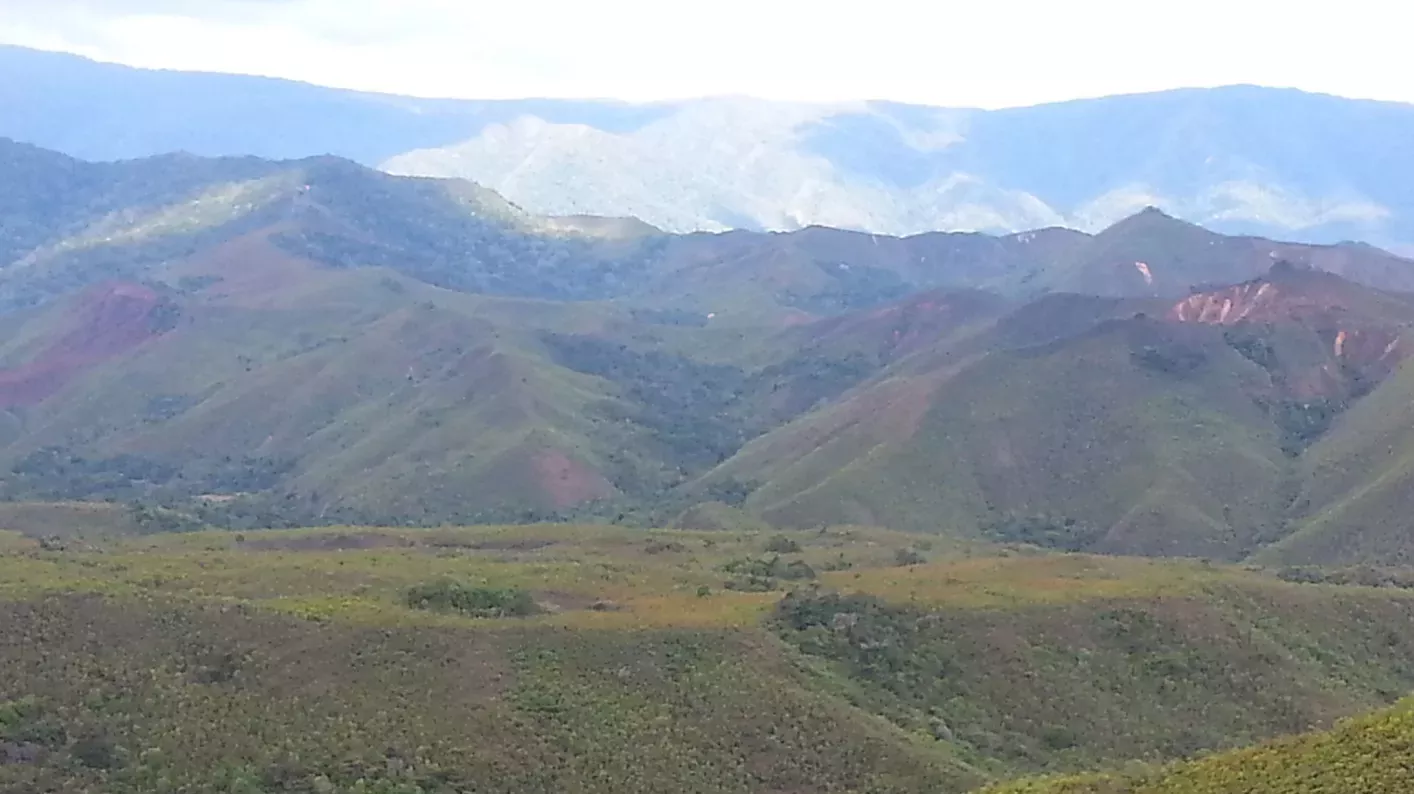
1049 532
759 575
307 661
1083 684
454 235
250 344
782 544
1362 755
558 657
476 602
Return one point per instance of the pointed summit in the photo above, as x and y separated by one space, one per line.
1151 220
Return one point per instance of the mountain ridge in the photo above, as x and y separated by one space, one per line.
1274 162
224 336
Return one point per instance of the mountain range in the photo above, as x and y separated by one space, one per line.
359 444
255 341
1240 159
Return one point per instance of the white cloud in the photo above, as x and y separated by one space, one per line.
1001 53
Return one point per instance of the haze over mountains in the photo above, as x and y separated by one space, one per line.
1241 159
967 453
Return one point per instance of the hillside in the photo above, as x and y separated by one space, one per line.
1199 427
554 658
260 342
1115 430
1243 159
1365 754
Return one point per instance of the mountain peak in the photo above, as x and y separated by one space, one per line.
1149 219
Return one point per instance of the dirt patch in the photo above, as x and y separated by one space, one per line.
568 482
251 271
106 321
13 753
509 544
560 601
336 542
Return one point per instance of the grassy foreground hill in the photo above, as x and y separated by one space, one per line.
1366 754
563 658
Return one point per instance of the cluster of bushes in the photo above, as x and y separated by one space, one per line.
1171 358
1364 575
909 556
782 544
694 410
1301 421
58 473
1050 532
477 602
754 575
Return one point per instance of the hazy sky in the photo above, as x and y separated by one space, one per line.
986 53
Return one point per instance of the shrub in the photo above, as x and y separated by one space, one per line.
96 752
750 584
782 544
796 569
1049 532
478 602
663 547
760 575
909 557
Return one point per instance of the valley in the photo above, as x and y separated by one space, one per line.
318 478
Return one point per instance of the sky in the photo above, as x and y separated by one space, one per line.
981 53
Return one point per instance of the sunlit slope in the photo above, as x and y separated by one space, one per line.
1366 754
646 666
1143 431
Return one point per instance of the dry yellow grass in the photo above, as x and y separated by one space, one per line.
585 576
1037 579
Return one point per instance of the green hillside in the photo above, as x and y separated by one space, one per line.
1141 435
576 658
1202 427
1355 504
258 343
1361 755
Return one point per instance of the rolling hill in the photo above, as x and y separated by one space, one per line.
1241 159
636 661
1368 753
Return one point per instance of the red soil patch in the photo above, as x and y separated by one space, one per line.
1352 342
106 321
568 482
896 330
249 270
1256 301
338 542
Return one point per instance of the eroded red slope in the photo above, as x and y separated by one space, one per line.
105 321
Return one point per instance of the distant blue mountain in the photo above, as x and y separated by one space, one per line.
101 111
1240 159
